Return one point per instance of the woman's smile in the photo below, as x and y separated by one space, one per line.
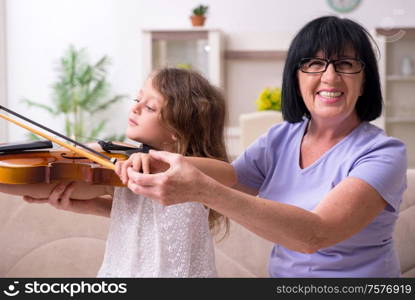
330 96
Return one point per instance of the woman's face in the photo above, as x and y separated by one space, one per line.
331 96
144 122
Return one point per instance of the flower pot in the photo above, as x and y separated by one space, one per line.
198 20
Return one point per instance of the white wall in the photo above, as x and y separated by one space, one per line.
3 124
38 32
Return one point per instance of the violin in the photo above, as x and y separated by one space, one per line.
55 165
31 163
26 164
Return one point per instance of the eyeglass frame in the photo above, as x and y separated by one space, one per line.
328 62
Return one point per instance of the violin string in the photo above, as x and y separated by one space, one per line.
54 132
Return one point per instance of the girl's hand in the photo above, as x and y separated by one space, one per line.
60 198
139 162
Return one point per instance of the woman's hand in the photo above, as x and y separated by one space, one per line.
181 182
139 162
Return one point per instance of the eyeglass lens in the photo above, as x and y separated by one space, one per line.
317 65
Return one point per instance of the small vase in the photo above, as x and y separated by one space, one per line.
198 20
406 66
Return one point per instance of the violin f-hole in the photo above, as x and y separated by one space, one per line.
64 155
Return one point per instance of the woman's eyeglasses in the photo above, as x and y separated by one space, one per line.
320 65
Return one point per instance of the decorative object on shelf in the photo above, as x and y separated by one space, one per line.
184 66
269 99
407 67
343 6
78 94
199 15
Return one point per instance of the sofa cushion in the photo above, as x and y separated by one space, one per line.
405 228
40 241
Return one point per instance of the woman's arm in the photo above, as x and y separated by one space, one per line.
219 170
346 210
141 162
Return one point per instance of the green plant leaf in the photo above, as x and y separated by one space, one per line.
62 98
68 127
85 76
200 10
106 104
92 97
101 65
31 103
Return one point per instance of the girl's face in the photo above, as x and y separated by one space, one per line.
144 122
331 95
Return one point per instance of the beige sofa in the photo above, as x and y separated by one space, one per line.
40 241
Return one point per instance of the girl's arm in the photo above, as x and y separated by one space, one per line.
77 197
99 206
43 190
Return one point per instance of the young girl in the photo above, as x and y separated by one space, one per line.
177 111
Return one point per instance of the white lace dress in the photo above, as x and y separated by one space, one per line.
147 239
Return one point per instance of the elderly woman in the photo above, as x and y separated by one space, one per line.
325 185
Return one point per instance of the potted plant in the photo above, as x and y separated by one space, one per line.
199 15
79 93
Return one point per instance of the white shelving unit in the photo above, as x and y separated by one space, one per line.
398 88
199 49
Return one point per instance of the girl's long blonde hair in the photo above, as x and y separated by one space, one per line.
195 112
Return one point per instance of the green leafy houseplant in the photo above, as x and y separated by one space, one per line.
200 10
78 94
269 99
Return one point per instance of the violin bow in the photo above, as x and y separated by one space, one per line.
92 154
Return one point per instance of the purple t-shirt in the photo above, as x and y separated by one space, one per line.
271 165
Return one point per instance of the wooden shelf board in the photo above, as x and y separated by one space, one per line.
400 120
179 35
255 54
400 78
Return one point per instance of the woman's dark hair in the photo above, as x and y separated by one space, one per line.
332 36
